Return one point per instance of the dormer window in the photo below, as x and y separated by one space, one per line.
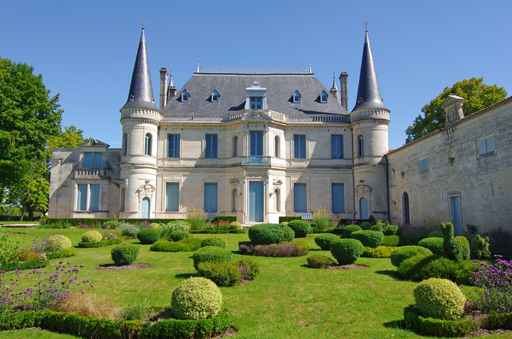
185 95
256 102
256 99
323 97
296 97
215 96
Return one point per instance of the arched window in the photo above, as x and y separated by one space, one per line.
278 200
235 146
277 146
360 146
145 208
148 141
406 216
323 97
296 97
234 195
215 96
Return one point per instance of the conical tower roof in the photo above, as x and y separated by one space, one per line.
368 95
141 90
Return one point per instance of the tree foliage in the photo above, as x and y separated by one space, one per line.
476 93
70 137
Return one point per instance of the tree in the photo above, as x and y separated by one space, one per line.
476 93
70 137
29 116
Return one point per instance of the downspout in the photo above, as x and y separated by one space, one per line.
353 175
387 188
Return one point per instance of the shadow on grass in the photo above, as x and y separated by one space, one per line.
186 275
391 273
395 324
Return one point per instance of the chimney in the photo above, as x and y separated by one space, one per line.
344 90
171 91
453 108
163 87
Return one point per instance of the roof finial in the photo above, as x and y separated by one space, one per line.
366 26
334 86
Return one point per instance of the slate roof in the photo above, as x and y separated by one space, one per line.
232 89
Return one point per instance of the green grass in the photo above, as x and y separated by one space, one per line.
287 300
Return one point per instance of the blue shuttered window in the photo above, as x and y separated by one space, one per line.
210 197
172 191
337 146
299 198
92 160
211 146
173 144
256 143
95 197
81 201
299 146
338 198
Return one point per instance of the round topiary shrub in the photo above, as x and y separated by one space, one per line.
58 242
92 236
346 251
196 298
124 254
390 240
346 231
148 235
390 229
439 298
301 228
175 235
368 237
411 267
435 244
129 230
213 242
155 225
463 247
405 252
324 240
211 254
264 234
320 261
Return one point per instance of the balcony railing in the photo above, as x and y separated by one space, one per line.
255 160
93 173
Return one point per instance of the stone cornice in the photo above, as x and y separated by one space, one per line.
140 114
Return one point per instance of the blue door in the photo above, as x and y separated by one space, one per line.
145 208
363 209
456 214
256 201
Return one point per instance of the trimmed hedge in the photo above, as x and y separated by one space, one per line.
411 266
97 244
390 240
437 267
289 218
91 236
463 247
196 298
301 228
186 245
440 299
438 327
148 236
96 222
213 242
346 251
284 249
264 234
390 229
378 252
368 238
405 252
89 327
495 321
223 218
221 273
320 261
124 254
66 253
346 231
435 244
324 240
211 254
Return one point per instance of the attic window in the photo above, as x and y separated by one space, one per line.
296 97
323 97
185 95
215 96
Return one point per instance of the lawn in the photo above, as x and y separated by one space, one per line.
287 300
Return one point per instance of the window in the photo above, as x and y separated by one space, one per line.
185 95
277 146
256 102
81 201
406 216
487 146
95 197
364 212
256 143
172 192
235 146
148 141
299 146
234 195
210 197
278 200
299 198
337 146
92 160
211 146
125 144
173 144
423 165
360 146
338 198
323 97
215 96
296 97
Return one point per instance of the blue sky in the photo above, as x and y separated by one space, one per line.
85 50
